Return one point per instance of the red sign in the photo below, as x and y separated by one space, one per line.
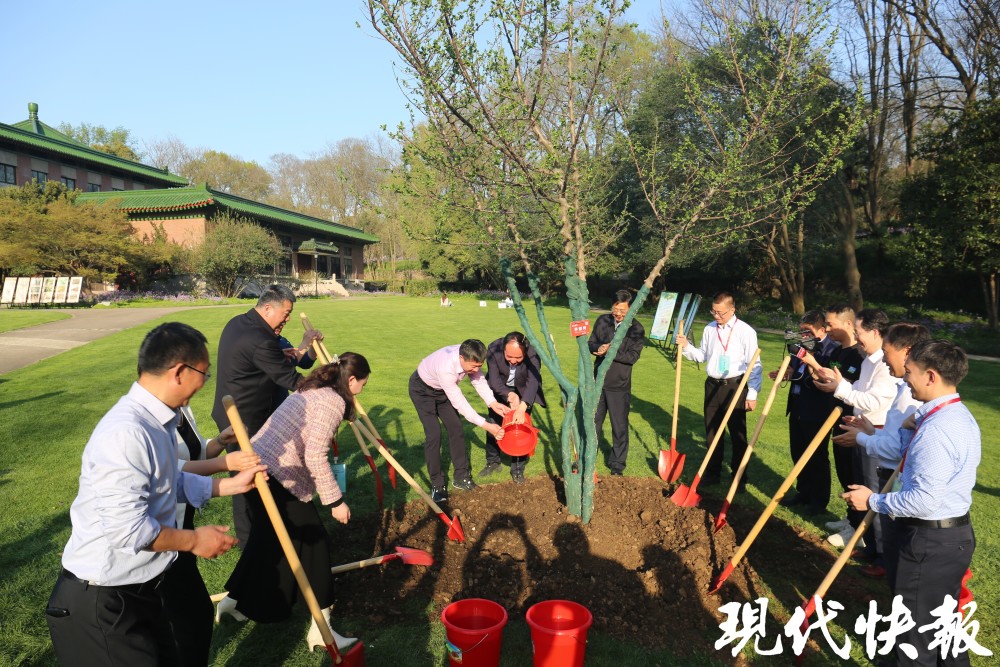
579 328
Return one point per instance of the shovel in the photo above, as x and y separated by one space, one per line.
371 427
354 657
672 462
407 555
454 525
688 497
721 520
782 490
371 463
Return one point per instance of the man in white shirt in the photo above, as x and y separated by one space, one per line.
106 608
870 396
727 346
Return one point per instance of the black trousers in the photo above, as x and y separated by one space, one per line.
932 562
718 396
617 404
843 462
432 405
97 626
262 582
241 511
517 463
189 610
813 483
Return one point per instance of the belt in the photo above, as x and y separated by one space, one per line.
884 473
936 523
722 382
138 589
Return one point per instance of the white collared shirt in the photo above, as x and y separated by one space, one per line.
736 340
873 392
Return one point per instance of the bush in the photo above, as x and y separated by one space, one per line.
234 253
421 287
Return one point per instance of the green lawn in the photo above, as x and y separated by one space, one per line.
19 319
48 410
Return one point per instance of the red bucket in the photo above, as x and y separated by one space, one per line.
475 630
559 632
518 439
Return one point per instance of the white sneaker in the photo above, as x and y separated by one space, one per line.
227 605
840 539
315 637
837 526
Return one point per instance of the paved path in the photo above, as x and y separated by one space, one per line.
22 347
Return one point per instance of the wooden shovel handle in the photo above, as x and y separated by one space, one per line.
364 417
402 471
319 347
756 431
729 413
796 469
377 560
677 388
279 528
845 555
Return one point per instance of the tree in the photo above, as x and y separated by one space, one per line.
955 207
228 173
118 141
234 253
44 229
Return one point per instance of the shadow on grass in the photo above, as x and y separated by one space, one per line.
19 402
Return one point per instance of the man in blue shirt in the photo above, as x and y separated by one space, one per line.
941 449
106 608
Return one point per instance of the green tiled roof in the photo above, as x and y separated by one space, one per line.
33 133
202 196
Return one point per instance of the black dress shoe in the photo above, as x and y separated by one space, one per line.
464 484
439 495
797 499
617 473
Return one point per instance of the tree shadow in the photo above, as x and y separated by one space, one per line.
690 432
22 401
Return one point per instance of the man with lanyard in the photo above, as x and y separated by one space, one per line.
435 394
107 606
616 394
514 375
807 409
727 346
870 396
933 495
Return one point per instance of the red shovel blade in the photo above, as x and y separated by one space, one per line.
686 496
720 521
721 579
671 465
355 657
392 471
412 556
378 479
454 528
965 594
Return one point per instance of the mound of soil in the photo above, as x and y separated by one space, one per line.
642 565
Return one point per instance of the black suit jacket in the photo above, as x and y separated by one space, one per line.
807 403
527 376
619 377
252 369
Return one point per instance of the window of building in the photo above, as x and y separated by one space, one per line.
8 174
348 264
69 182
39 176
93 187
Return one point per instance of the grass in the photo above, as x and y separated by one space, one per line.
19 319
47 412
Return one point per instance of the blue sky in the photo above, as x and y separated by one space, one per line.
247 77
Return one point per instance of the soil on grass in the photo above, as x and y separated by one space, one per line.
642 565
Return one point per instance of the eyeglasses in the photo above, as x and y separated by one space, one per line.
205 373
716 313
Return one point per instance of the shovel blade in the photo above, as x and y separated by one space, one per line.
355 657
378 480
721 579
455 531
414 556
720 521
671 465
686 496
392 471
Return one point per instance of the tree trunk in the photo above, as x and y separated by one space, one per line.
849 230
991 296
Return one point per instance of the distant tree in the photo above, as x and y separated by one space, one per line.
118 141
228 173
955 207
235 252
44 229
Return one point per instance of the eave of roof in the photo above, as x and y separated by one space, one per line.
53 140
201 196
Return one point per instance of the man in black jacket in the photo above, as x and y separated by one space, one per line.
253 369
616 395
515 378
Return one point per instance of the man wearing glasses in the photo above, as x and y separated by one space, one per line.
616 395
727 346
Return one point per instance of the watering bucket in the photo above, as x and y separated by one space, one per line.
475 629
340 474
518 439
559 632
